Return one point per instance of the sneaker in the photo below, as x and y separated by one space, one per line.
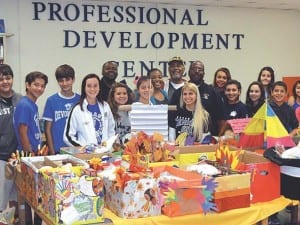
274 220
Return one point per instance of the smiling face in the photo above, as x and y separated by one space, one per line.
265 77
232 93
6 83
66 85
110 71
121 96
156 79
196 72
297 90
92 89
145 91
189 98
254 93
221 79
278 94
176 70
35 89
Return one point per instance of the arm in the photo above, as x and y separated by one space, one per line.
111 123
26 147
291 100
294 132
221 127
70 130
49 139
172 134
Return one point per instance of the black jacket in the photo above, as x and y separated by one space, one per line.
8 140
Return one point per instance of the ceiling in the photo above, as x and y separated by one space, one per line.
258 4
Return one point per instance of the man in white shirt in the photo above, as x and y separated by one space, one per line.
176 71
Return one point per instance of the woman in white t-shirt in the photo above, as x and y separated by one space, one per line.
91 120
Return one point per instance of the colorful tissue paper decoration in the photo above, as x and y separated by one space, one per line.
190 195
227 158
144 149
182 201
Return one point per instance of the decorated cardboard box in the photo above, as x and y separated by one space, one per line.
185 192
134 198
187 155
66 198
30 167
264 174
76 152
232 192
145 151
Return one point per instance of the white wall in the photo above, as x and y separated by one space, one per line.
271 37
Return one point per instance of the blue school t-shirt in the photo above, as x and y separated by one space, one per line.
57 110
97 119
26 113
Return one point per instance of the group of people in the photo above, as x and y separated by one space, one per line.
94 115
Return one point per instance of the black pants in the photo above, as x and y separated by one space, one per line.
290 186
28 215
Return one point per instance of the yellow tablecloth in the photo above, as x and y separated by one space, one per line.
243 216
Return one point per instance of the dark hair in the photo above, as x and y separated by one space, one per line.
262 90
236 82
83 85
111 98
270 69
6 70
226 71
32 76
141 80
64 71
153 70
108 62
279 83
294 88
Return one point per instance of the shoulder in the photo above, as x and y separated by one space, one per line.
164 93
206 87
103 104
241 105
76 109
16 97
53 97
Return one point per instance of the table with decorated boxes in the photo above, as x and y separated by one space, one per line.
151 181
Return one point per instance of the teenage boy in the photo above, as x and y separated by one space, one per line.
26 123
284 112
8 139
58 107
286 115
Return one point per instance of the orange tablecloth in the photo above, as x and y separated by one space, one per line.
243 216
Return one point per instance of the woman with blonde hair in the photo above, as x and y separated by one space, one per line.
191 117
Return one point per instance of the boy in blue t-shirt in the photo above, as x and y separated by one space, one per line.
26 116
26 123
58 107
